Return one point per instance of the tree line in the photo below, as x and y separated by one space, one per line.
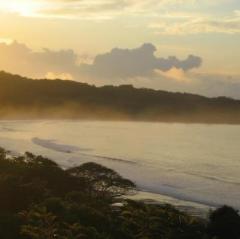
40 200
25 98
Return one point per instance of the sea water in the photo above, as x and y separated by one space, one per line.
187 164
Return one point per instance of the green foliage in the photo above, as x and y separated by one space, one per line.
39 200
159 221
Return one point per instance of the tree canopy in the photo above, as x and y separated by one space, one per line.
40 200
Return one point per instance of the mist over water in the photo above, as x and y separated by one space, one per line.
192 162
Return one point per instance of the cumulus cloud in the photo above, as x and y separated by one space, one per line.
175 74
118 63
20 59
141 61
138 66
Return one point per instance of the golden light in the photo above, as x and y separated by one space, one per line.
21 7
7 41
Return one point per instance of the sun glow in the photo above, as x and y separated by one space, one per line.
7 41
21 7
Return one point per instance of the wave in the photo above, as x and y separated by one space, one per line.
8 129
110 158
116 159
180 196
50 144
215 178
221 179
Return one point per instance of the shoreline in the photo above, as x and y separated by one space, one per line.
69 152
190 207
116 120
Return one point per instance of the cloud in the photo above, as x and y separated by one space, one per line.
63 76
83 9
6 40
175 80
89 9
108 8
141 61
158 15
138 66
185 23
118 63
175 74
20 59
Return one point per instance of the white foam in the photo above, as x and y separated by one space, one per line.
50 144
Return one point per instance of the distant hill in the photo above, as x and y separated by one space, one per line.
22 98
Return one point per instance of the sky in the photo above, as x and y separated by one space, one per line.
175 45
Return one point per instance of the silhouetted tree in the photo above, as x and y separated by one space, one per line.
224 223
103 181
40 200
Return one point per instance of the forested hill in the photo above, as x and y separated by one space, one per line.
26 98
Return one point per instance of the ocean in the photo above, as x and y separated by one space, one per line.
188 165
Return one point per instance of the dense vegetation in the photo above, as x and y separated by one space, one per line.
24 98
40 200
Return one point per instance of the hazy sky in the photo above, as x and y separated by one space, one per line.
178 45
